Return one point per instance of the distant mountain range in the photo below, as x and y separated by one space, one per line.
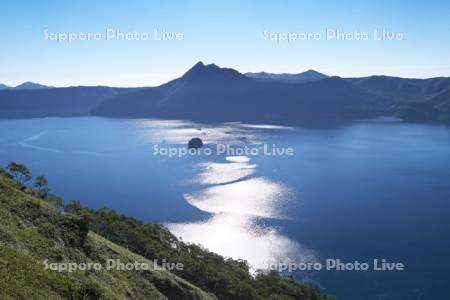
25 86
300 77
212 94
209 93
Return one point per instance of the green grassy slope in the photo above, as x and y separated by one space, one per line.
33 229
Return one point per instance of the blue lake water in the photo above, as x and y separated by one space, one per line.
368 190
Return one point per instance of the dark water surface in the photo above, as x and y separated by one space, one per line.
369 190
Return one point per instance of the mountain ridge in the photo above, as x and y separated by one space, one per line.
28 85
288 77
213 94
209 93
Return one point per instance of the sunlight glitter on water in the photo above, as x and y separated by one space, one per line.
235 198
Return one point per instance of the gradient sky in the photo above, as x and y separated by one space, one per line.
228 33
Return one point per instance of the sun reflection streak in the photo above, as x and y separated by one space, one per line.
236 200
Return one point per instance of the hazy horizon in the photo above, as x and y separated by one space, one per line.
179 75
412 40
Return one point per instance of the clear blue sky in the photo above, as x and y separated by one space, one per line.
228 33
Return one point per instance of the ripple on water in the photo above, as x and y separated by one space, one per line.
239 237
258 197
236 201
219 173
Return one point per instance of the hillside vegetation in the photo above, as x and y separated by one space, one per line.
35 226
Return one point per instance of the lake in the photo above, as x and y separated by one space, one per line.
374 189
